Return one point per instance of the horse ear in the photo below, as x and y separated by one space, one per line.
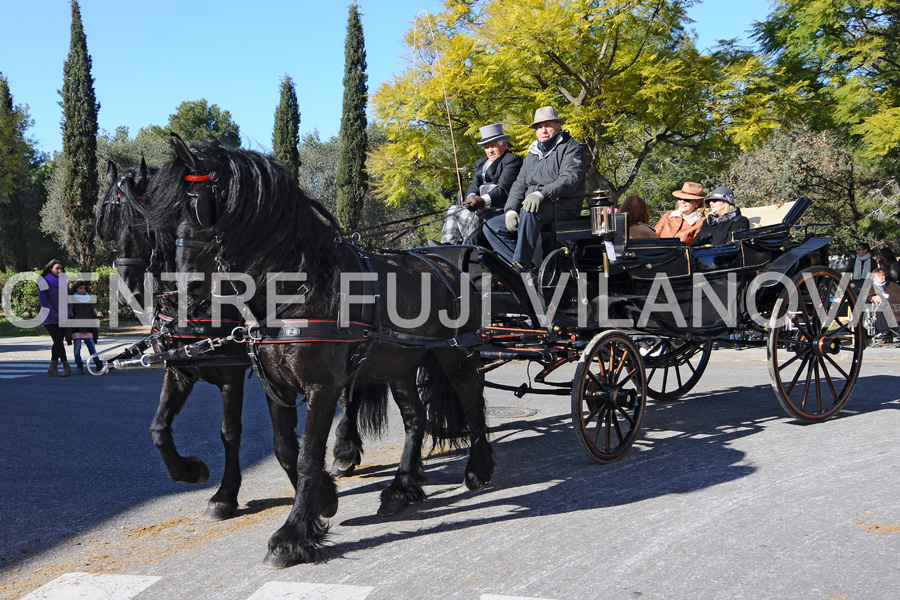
184 153
142 172
112 174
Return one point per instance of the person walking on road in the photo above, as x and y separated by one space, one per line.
48 296
83 310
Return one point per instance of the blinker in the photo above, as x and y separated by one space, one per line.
205 210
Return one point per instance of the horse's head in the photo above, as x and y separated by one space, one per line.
121 219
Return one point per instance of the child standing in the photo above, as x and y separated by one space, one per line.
83 308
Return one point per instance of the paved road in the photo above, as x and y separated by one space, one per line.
724 496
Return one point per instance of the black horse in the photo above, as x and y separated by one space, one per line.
259 223
121 218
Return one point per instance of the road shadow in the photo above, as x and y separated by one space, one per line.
686 446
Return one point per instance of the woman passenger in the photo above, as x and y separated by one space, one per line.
638 215
723 221
685 221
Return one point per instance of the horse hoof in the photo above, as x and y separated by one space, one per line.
220 511
474 482
391 506
279 561
342 468
197 472
329 508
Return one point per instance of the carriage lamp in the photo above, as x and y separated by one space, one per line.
600 221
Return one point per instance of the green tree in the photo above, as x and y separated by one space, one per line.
624 74
119 148
197 121
79 128
20 186
352 181
847 52
286 134
848 194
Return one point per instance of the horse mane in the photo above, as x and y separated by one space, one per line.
263 214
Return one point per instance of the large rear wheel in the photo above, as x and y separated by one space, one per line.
673 366
815 345
609 396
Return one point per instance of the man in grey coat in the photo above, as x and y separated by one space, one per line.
553 173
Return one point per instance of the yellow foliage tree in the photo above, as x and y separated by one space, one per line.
625 74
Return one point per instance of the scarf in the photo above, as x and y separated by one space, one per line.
542 149
714 219
862 266
691 218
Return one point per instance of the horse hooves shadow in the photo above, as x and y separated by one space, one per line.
257 506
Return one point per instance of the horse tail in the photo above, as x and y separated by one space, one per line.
371 402
447 422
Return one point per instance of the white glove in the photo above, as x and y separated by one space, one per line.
531 202
512 220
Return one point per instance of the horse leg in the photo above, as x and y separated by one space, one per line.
224 502
462 372
172 396
303 534
348 446
406 488
284 432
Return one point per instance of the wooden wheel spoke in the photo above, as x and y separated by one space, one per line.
600 416
805 395
828 379
798 373
626 415
615 422
838 367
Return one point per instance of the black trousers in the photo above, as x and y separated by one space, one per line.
58 351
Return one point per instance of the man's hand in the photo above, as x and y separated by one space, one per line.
473 203
512 221
531 202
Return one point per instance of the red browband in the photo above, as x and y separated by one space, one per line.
119 197
196 177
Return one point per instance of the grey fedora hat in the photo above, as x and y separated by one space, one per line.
545 113
492 133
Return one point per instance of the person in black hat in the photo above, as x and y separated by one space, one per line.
551 183
494 175
723 220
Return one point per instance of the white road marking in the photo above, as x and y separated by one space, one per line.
84 586
278 590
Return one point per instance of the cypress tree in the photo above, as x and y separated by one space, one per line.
79 129
286 134
352 183
16 156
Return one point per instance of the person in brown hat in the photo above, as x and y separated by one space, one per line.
552 176
495 173
685 221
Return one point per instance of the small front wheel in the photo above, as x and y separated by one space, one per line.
609 393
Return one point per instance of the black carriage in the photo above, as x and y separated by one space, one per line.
641 317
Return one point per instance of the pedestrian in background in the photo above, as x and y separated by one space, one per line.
49 298
83 309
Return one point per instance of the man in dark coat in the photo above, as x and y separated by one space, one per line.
723 220
553 175
486 195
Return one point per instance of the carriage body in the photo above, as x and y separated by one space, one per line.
641 317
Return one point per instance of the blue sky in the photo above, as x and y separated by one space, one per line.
148 57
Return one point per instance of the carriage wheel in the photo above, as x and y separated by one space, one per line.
608 396
673 366
816 354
